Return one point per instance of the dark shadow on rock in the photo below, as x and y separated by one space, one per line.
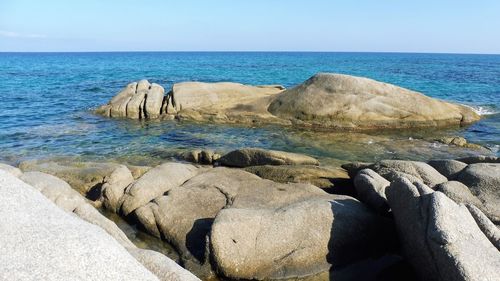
341 186
196 238
95 192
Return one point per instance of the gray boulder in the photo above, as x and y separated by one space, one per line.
154 101
343 101
255 157
114 187
483 180
154 183
42 239
370 188
199 156
296 240
439 237
392 169
487 227
479 159
448 168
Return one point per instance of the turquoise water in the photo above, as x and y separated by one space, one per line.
47 98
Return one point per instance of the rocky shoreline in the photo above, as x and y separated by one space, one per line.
389 220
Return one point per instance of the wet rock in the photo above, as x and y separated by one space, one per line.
154 183
439 237
483 180
370 188
10 169
460 142
448 168
343 101
392 169
40 237
296 240
319 176
247 157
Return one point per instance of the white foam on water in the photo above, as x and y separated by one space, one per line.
483 110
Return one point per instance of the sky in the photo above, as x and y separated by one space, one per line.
437 26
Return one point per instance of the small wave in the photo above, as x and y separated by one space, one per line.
484 110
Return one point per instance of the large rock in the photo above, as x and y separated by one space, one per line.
44 240
483 180
255 157
392 169
448 168
223 101
139 100
479 159
370 188
296 240
154 183
114 186
439 237
343 101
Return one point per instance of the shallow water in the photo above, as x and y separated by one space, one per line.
47 99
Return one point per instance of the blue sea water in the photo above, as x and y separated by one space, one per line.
47 100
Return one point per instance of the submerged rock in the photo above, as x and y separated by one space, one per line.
460 142
440 238
247 157
343 101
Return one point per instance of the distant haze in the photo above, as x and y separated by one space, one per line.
444 26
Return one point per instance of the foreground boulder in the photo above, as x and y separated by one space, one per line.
43 239
440 238
247 157
343 101
295 240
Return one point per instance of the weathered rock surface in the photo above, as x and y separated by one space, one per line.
114 187
460 142
392 169
440 238
43 239
247 157
199 156
318 176
479 159
448 168
483 180
139 100
10 169
370 188
296 240
154 183
343 101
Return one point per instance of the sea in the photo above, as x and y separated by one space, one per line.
47 102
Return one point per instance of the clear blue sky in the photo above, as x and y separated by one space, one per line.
456 26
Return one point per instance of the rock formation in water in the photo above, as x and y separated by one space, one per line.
331 101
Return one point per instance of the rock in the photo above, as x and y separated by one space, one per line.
370 188
460 142
224 101
43 239
10 169
140 100
448 168
198 156
154 183
354 167
163 267
138 171
343 101
459 193
318 176
255 157
487 227
391 169
297 240
479 159
440 238
185 214
483 180
82 176
114 187
154 101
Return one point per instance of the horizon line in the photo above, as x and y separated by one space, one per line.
247 51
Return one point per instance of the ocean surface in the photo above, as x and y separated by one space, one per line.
47 100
